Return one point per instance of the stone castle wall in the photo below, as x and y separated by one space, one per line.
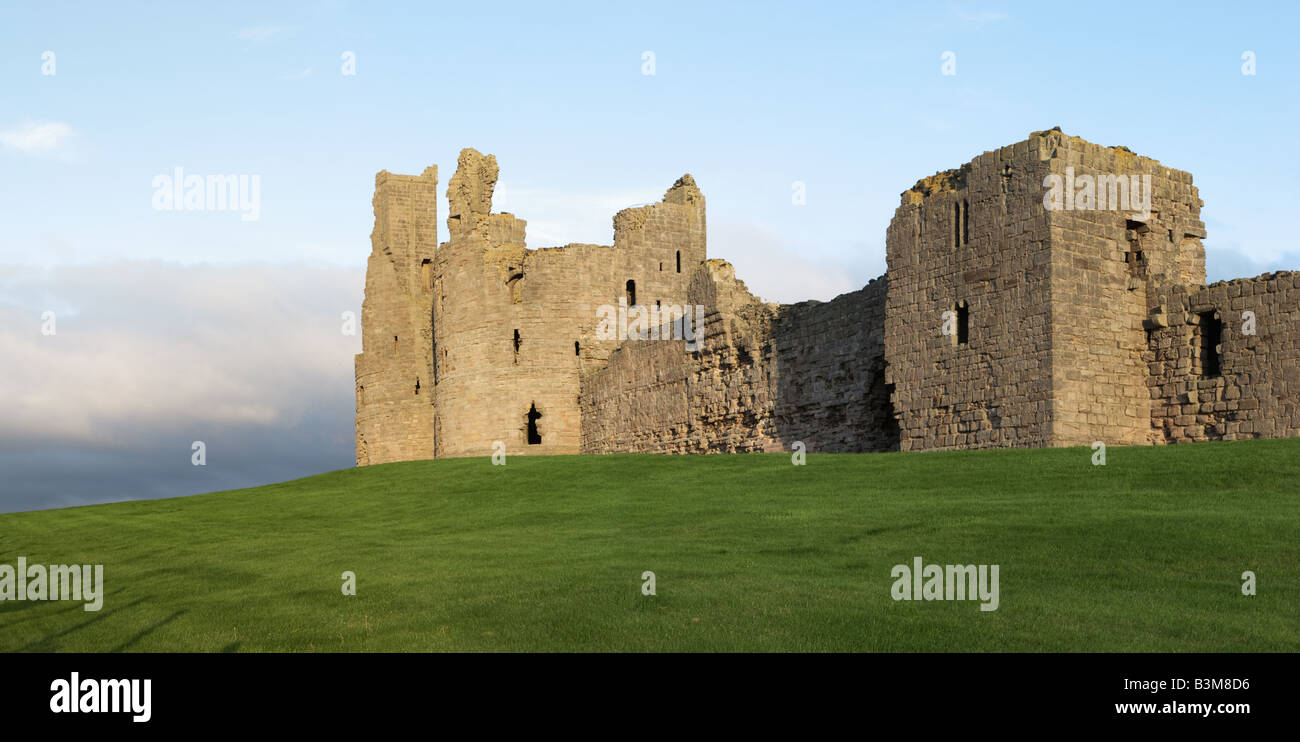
1005 318
764 377
657 396
973 240
508 332
1255 390
829 368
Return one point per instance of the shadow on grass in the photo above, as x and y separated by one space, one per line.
878 532
44 644
133 640
27 604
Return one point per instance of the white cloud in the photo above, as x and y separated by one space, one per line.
259 33
982 17
36 137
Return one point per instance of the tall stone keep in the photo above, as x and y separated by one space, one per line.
394 371
1009 323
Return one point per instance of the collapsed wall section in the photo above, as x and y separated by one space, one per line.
658 396
763 377
1225 360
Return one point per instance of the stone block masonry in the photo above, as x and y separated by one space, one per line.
1224 360
394 371
1048 293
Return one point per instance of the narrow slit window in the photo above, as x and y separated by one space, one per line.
963 323
631 292
957 224
965 222
517 343
679 261
1210 331
577 349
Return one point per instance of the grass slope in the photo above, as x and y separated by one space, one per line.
750 553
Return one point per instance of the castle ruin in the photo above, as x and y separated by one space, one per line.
1003 320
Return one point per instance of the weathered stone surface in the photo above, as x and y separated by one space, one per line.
1081 324
764 377
485 289
395 415
1256 393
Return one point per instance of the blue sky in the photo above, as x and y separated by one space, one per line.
748 97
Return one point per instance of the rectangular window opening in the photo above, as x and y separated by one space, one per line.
1210 341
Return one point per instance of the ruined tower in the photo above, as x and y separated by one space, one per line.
1046 304
506 332
1048 293
394 371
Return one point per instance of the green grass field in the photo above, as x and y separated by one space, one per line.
750 554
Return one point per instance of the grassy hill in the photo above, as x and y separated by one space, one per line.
750 553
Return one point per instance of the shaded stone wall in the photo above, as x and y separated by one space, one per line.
656 396
1256 393
975 239
829 373
763 377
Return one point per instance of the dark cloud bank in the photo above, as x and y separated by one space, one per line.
149 357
